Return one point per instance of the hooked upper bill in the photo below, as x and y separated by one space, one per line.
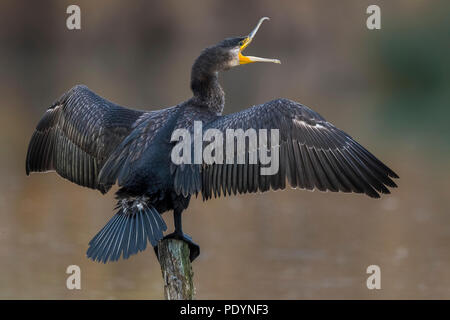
249 59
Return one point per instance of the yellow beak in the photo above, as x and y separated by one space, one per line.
249 59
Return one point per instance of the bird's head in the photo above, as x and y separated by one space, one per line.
235 47
228 53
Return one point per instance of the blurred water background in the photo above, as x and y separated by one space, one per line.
388 88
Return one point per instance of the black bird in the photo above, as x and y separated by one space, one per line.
96 143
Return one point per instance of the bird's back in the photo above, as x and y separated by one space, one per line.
142 161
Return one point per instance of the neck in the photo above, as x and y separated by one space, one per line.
205 85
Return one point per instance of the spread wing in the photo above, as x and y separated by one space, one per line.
77 134
313 153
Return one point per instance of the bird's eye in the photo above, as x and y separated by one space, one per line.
241 43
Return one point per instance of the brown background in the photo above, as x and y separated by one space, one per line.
387 88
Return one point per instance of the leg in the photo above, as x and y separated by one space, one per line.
178 234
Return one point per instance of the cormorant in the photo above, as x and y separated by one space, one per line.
96 143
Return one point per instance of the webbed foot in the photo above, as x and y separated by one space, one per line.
194 249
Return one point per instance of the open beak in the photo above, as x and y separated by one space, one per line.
249 59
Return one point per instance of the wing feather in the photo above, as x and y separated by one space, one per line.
77 134
313 154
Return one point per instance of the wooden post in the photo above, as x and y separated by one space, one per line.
176 270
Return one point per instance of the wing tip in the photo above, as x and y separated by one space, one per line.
392 174
373 195
27 168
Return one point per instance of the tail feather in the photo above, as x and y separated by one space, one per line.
127 233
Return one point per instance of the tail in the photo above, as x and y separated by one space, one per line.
127 232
